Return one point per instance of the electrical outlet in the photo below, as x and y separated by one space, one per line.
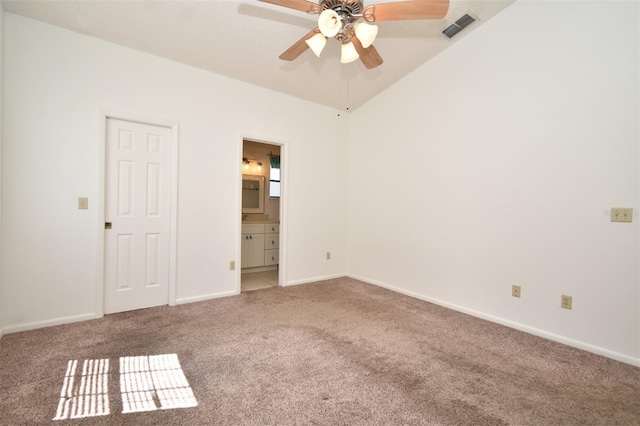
328 255
83 203
566 301
621 214
515 290
232 265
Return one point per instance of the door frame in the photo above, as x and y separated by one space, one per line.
103 116
284 189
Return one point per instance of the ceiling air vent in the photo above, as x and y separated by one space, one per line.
458 26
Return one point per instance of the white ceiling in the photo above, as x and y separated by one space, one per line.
242 39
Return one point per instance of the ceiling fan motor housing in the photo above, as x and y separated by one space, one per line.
352 7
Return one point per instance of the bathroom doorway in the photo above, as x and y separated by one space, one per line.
261 202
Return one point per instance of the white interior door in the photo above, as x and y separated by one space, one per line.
137 209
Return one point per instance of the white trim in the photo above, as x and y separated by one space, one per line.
511 324
316 279
103 115
238 270
49 323
284 215
173 222
2 112
209 296
101 159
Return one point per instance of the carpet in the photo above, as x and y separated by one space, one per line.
336 352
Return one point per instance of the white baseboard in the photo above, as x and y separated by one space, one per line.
204 297
508 323
85 317
48 323
314 279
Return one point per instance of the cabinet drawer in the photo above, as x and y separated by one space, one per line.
271 227
270 257
271 241
253 228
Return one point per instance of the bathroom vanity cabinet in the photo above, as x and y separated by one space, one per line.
260 244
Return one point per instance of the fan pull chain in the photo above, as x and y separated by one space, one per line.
348 95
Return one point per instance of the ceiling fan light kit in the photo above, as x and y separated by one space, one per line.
338 20
366 33
317 43
349 53
329 23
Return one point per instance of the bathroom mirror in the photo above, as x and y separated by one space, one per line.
252 194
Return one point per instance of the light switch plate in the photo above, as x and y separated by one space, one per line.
621 214
83 203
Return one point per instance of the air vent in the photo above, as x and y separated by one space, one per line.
458 26
465 21
451 30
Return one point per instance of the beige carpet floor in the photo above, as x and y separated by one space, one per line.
337 352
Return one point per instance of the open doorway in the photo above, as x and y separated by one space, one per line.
261 200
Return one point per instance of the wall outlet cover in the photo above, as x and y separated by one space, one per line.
566 301
83 203
621 214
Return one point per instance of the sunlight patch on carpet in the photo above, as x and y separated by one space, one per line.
154 382
147 383
84 391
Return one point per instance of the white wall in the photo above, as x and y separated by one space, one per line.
495 164
56 83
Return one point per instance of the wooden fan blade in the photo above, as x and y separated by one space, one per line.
301 5
298 47
407 10
369 56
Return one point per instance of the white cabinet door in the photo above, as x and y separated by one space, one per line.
252 250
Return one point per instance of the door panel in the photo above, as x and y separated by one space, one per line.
138 206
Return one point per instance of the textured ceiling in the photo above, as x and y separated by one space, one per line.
242 39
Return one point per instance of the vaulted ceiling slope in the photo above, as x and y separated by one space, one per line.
242 39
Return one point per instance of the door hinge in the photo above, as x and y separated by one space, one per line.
107 225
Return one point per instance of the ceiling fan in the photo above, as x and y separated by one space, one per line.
338 19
